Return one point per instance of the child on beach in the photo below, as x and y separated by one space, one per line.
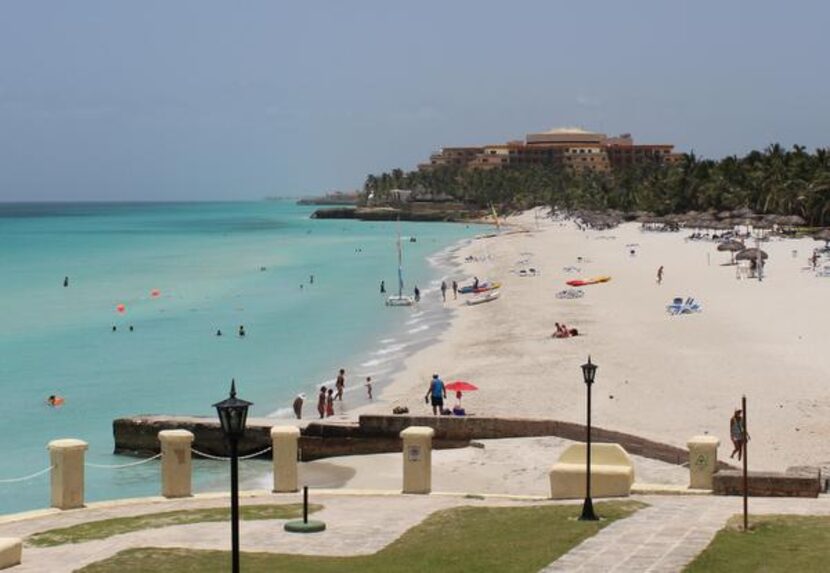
330 403
369 386
340 384
321 402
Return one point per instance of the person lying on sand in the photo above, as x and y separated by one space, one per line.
561 331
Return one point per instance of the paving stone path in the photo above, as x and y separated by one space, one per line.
665 536
669 534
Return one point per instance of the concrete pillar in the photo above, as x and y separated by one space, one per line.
284 440
67 459
703 461
417 459
176 466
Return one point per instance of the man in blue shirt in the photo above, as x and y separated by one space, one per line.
437 393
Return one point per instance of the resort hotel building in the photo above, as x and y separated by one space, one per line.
571 148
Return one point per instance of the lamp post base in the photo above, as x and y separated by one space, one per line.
588 511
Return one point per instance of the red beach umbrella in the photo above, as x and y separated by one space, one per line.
461 386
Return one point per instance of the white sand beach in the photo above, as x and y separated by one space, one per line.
662 377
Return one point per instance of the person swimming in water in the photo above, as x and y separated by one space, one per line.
53 401
218 333
242 330
65 281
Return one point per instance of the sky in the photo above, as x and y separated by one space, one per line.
208 100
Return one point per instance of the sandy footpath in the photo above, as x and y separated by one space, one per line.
660 376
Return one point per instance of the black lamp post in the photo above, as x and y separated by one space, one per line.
589 371
233 413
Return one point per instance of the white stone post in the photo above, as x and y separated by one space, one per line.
417 459
284 443
67 459
176 464
703 461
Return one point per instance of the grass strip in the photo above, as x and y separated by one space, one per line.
463 539
773 543
108 527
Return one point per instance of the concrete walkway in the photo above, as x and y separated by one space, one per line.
669 534
665 536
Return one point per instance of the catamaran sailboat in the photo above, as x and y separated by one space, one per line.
401 299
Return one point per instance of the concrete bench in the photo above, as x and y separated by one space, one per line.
612 472
11 550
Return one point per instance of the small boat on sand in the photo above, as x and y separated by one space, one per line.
585 282
482 287
484 297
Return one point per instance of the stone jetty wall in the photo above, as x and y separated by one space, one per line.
374 434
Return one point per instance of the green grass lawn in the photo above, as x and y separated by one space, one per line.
108 527
788 543
463 539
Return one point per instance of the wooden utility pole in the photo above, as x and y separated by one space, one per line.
745 439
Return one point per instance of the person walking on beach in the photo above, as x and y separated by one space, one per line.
660 275
454 290
382 287
321 402
417 292
369 386
340 384
444 290
737 431
298 406
437 393
330 403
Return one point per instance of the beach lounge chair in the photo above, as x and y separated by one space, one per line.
676 305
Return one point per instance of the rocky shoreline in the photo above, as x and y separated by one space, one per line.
440 212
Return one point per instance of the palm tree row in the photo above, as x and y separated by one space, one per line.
773 181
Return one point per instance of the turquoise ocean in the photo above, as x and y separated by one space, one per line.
215 266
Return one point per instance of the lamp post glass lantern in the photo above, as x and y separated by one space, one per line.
233 414
589 372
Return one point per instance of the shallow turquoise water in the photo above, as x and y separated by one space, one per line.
205 259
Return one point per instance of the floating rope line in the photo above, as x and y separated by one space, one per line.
120 466
30 476
225 459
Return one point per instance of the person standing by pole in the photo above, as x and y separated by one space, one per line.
737 432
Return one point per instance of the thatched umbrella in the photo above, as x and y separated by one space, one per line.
743 213
752 254
791 220
731 246
823 235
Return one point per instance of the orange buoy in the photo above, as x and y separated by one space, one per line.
121 307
